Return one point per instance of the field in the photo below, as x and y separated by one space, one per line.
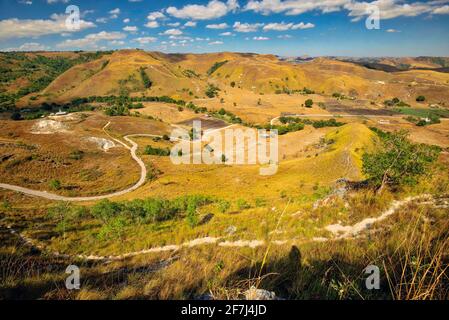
147 228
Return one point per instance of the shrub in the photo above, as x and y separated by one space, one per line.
55 184
212 91
16 116
399 161
309 103
242 204
224 206
420 98
145 79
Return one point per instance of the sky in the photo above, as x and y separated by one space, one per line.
281 27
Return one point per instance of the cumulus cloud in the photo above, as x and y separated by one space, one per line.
247 27
91 40
172 32
213 10
294 7
215 43
131 29
357 9
29 46
21 28
152 24
145 40
191 24
155 16
226 34
261 38
441 10
217 26
287 26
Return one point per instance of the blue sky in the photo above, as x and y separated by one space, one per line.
283 27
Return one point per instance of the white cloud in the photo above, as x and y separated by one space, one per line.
127 20
155 15
152 24
145 40
294 7
131 29
247 27
91 40
217 26
261 38
173 24
172 32
116 43
213 10
393 31
56 1
115 11
29 46
441 10
287 26
226 34
215 43
17 28
191 24
357 9
284 36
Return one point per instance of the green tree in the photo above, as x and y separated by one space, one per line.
398 161
309 103
420 98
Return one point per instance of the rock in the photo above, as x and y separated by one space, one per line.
259 294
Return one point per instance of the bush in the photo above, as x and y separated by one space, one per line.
399 161
16 116
420 98
215 67
55 184
242 204
149 150
212 91
309 103
145 79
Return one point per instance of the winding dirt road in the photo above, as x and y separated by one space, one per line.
52 196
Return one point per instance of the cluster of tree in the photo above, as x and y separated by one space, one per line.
395 102
115 216
290 127
153 151
190 74
145 79
315 123
216 66
398 161
39 70
212 91
431 119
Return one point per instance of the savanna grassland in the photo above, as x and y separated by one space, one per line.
362 177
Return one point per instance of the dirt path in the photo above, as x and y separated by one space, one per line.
339 232
52 196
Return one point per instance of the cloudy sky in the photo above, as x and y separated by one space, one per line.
283 27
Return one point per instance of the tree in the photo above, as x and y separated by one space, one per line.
420 98
233 84
145 79
212 91
16 116
398 161
309 103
